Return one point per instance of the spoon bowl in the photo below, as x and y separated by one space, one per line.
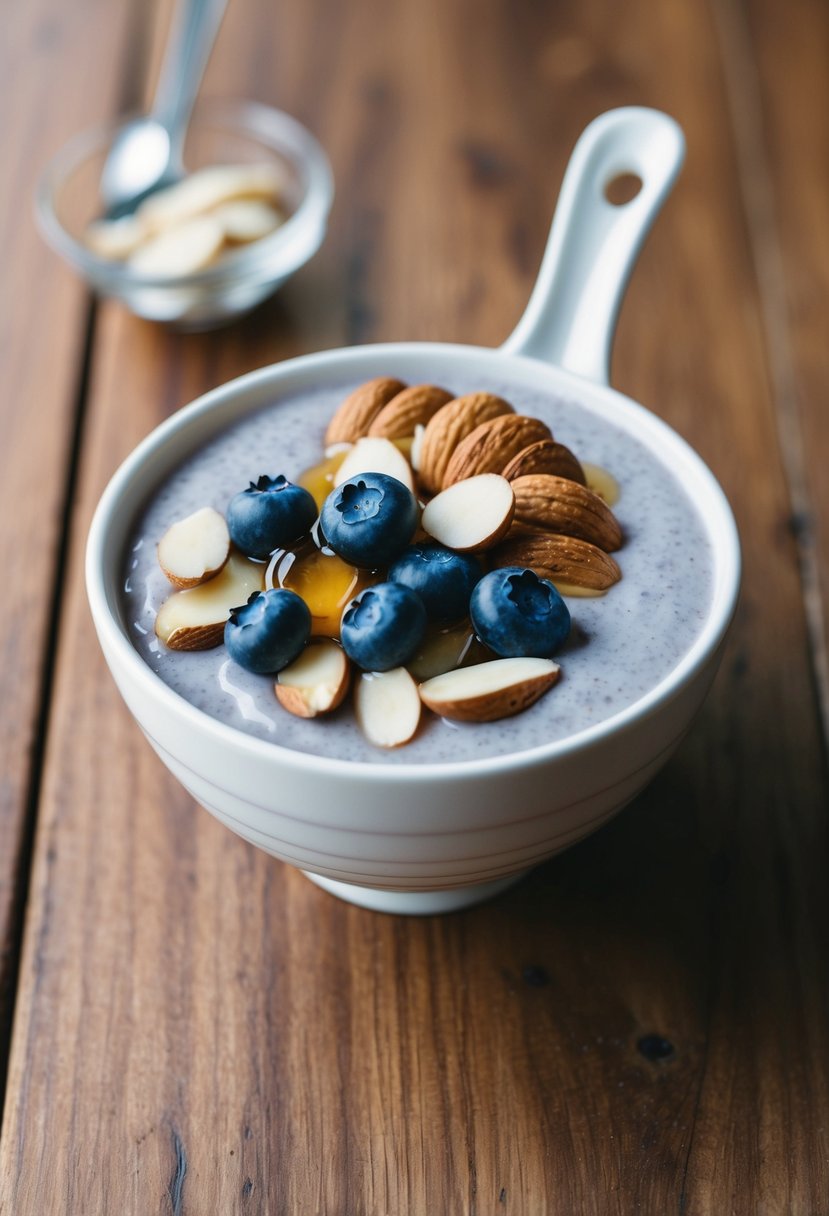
137 165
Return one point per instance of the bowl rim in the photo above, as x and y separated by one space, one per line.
602 399
279 252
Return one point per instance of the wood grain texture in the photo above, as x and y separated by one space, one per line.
786 185
201 1030
44 315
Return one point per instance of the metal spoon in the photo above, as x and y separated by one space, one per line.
147 153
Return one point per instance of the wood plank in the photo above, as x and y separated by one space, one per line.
49 93
776 81
240 1042
786 185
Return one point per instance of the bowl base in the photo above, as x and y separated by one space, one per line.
414 903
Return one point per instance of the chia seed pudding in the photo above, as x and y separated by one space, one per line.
621 644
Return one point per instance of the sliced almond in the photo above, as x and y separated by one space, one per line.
545 456
414 406
356 414
195 619
115 239
375 456
448 427
561 559
181 250
489 691
387 706
246 220
207 188
194 549
491 446
564 506
316 682
471 515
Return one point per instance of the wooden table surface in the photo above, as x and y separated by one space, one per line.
188 1026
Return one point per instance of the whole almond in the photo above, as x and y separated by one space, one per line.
356 414
492 445
564 559
448 427
545 456
560 505
413 407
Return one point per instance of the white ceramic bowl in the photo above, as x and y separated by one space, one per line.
220 132
433 837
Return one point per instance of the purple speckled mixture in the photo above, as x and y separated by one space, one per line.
621 645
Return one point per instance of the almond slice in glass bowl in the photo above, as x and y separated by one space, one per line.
209 188
188 247
246 220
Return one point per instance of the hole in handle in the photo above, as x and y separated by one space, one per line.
622 188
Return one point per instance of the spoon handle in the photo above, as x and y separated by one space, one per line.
194 29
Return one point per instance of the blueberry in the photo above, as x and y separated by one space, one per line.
268 632
383 626
516 614
270 514
442 578
369 519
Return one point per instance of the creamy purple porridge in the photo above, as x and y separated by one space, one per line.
621 644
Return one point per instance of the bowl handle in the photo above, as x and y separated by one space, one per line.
571 316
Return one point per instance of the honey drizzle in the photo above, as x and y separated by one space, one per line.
322 579
318 479
602 483
575 592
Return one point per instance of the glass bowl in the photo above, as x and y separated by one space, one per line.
220 132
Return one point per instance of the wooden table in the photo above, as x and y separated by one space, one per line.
189 1027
